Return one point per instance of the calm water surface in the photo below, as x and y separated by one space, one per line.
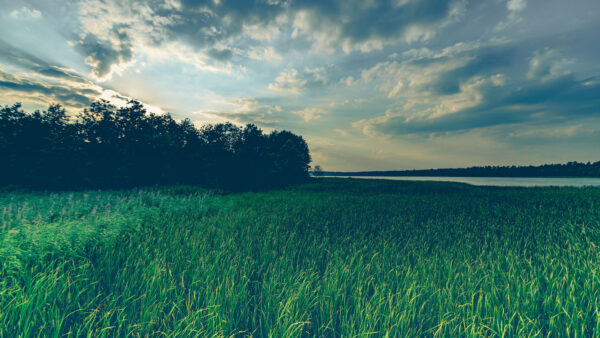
496 181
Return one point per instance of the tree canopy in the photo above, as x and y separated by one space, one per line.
109 147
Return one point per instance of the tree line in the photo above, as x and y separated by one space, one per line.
570 169
109 147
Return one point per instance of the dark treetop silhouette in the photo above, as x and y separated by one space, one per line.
109 147
570 169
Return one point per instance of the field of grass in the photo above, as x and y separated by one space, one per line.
336 258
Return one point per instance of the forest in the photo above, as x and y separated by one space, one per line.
118 147
569 169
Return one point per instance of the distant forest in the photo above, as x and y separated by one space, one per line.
109 147
570 169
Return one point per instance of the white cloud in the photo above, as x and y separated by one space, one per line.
202 118
146 32
317 73
545 132
264 54
172 4
312 113
292 81
238 110
288 82
514 8
26 12
417 53
418 105
119 100
414 85
516 5
63 86
341 132
187 55
115 68
263 32
152 34
349 81
547 64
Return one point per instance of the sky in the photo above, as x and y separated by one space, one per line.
370 85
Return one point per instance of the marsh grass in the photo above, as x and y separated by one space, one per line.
335 258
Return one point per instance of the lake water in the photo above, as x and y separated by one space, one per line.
496 181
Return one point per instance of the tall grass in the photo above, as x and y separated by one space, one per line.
334 258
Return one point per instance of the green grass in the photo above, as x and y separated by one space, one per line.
336 258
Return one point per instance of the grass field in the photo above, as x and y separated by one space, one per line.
336 258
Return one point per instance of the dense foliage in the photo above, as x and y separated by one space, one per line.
121 147
570 169
341 257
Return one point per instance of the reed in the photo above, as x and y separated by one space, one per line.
337 257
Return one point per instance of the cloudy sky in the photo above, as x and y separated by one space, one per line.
388 84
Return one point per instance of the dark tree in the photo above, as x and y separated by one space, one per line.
110 147
317 170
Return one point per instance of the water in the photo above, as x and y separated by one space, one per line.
496 181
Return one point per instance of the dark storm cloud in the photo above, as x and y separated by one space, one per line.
542 91
360 21
215 27
57 72
55 83
102 55
20 58
65 94
221 55
561 99
487 61
204 23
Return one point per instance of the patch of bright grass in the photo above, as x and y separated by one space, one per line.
335 258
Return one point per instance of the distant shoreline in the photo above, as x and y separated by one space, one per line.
362 174
486 181
567 170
